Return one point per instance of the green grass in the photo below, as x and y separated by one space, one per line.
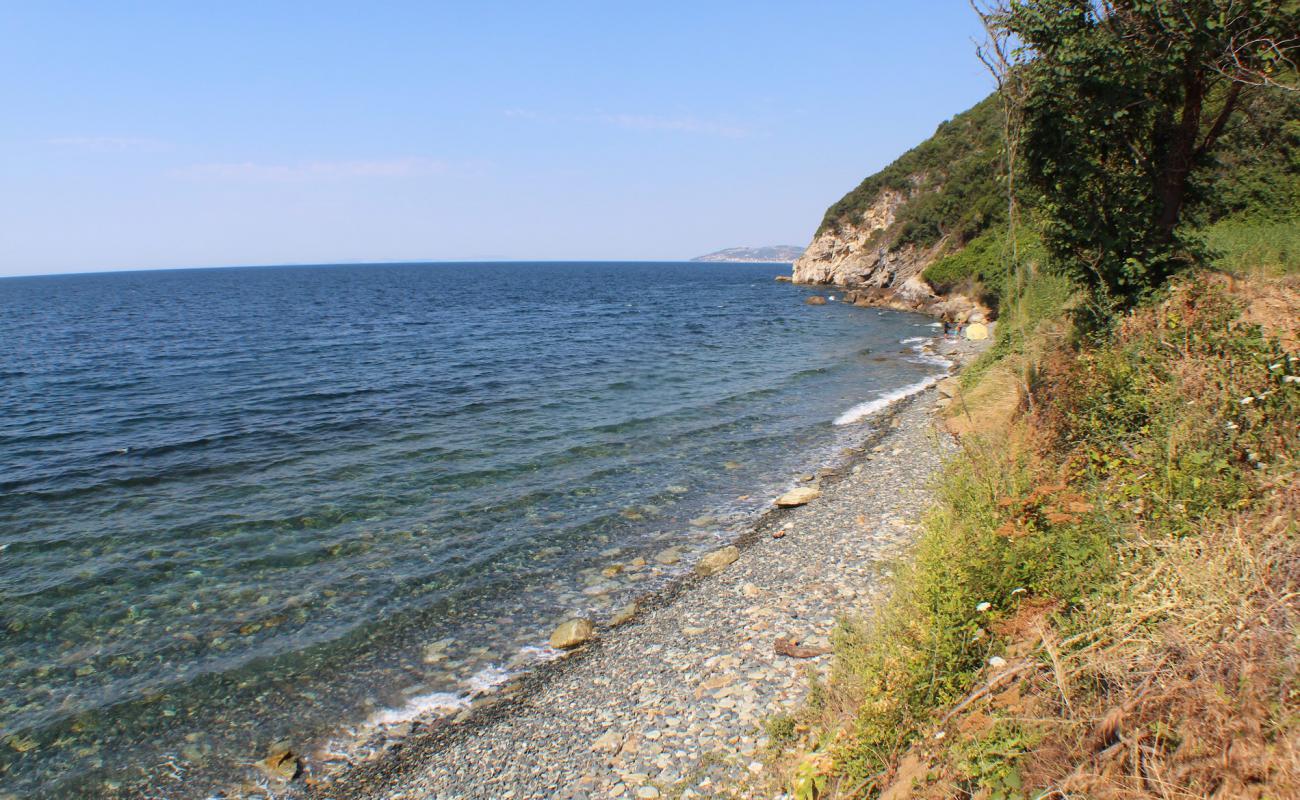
1244 247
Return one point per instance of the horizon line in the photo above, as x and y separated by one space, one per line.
397 262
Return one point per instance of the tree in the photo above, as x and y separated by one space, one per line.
1124 101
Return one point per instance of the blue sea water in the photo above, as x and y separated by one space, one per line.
240 506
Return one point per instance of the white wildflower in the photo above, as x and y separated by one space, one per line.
1278 365
939 734
985 606
1245 401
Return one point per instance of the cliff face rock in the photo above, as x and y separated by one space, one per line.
852 255
863 259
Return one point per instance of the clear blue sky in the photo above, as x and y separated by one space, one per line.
143 135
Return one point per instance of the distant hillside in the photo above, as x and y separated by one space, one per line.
783 253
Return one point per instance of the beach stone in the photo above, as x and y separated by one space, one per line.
610 742
798 497
668 556
571 633
624 615
647 793
717 561
815 300
750 590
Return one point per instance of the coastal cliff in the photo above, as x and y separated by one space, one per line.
879 240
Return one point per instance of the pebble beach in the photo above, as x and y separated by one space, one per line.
672 702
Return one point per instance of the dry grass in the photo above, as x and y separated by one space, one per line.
1190 690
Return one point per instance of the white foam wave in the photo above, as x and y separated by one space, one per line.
863 410
439 704
487 679
431 704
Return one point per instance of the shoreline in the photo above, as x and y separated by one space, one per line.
572 727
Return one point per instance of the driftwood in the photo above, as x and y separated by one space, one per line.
789 646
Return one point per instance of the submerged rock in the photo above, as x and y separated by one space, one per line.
815 300
281 764
571 633
798 497
717 561
668 556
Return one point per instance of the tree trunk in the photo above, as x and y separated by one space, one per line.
1182 152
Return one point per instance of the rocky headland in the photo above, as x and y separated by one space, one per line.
862 256
880 241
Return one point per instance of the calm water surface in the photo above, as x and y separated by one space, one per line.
244 505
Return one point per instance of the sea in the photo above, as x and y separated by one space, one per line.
296 504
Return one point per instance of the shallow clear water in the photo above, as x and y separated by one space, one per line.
237 505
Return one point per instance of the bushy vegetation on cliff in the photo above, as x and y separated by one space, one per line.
952 176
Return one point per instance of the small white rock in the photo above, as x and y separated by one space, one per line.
985 606
997 661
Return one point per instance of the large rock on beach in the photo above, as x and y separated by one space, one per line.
571 633
798 497
977 331
717 561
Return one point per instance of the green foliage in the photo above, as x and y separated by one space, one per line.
1124 106
990 762
983 267
1253 176
1177 417
1041 298
952 178
780 729
809 779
